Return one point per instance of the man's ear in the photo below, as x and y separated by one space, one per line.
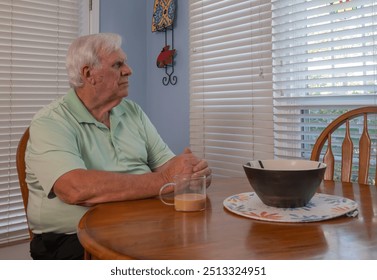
87 76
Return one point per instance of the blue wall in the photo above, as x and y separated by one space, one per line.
166 106
128 19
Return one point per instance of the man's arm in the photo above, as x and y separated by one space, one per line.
89 187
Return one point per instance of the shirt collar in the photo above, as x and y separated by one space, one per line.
77 108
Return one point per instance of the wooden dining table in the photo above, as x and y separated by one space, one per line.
150 230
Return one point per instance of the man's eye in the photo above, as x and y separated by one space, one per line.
118 65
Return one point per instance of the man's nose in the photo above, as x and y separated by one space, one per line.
126 70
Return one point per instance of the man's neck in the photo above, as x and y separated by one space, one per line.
101 112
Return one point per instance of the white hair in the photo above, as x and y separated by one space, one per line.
85 50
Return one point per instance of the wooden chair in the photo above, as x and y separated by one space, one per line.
21 170
347 151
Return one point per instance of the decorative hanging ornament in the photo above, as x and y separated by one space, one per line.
165 57
163 22
163 14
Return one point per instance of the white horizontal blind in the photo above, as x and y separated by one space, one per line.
324 63
34 37
230 83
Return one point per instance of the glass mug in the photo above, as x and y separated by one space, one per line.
189 192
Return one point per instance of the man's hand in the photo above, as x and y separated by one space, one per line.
186 163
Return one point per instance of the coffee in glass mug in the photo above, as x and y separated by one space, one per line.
189 192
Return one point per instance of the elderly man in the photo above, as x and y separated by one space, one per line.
93 146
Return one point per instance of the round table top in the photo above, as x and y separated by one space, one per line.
148 229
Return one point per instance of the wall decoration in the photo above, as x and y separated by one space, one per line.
163 14
163 21
165 57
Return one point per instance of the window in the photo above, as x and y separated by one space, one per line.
231 83
34 37
324 63
266 77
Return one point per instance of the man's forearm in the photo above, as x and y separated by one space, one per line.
89 187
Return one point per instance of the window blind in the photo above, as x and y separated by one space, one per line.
34 37
231 116
324 63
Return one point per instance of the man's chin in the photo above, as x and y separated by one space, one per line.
123 93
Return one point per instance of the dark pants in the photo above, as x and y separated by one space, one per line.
56 246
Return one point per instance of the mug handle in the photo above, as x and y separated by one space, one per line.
162 189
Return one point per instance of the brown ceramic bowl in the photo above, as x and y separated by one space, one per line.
285 183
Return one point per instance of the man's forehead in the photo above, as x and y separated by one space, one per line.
113 56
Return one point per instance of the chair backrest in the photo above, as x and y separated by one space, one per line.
21 169
347 151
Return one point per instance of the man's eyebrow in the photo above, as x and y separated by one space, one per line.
123 60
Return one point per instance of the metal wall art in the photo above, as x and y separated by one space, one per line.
163 21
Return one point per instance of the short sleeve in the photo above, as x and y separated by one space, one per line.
51 152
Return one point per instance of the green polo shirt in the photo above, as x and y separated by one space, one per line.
64 136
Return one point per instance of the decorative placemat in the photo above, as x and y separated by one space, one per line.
320 207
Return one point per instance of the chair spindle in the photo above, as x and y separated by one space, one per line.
347 155
364 153
328 158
